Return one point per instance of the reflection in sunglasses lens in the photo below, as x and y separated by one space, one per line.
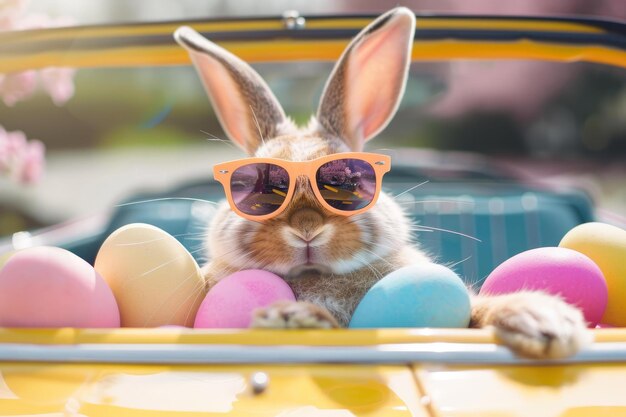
259 189
347 184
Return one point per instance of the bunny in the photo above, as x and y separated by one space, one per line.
331 261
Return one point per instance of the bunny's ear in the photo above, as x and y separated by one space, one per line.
366 85
245 106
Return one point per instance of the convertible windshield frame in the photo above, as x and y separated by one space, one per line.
272 39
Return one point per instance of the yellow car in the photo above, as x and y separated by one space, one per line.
304 373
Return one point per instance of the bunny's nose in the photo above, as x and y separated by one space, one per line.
307 221
307 236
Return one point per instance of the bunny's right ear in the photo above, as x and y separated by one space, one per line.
367 83
245 106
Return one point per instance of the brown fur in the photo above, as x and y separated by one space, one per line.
337 292
300 315
331 113
350 254
533 324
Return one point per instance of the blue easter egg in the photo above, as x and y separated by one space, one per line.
425 295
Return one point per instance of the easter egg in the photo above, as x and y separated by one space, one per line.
52 287
606 246
154 278
230 303
421 295
559 271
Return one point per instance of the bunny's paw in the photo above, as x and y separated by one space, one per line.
540 326
293 315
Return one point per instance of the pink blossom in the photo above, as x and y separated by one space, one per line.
11 9
32 162
17 86
42 21
4 151
20 159
34 21
12 144
58 83
6 23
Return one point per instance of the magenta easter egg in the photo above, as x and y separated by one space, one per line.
564 272
230 303
52 287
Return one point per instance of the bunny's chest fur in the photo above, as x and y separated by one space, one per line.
339 294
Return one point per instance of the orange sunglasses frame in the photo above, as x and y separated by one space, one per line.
224 171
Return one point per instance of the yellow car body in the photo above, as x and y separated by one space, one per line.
393 372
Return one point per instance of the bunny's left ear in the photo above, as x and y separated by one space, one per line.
367 83
244 104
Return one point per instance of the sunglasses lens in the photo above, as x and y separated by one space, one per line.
347 184
259 189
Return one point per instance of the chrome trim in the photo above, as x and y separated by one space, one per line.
293 21
259 382
450 353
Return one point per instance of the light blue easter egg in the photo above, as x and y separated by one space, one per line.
425 295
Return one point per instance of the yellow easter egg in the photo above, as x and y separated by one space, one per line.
606 246
155 280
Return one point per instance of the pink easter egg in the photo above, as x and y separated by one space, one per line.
560 271
52 287
230 303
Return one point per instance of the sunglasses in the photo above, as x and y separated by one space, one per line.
344 183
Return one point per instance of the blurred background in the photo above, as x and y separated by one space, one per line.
109 133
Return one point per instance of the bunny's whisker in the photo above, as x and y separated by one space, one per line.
158 308
382 245
378 256
220 141
196 292
422 228
199 293
411 189
459 262
185 235
164 264
414 229
214 138
199 200
256 121
369 266
201 238
436 201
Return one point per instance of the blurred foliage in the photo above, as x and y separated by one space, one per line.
587 119
167 106
111 108
133 137
12 221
